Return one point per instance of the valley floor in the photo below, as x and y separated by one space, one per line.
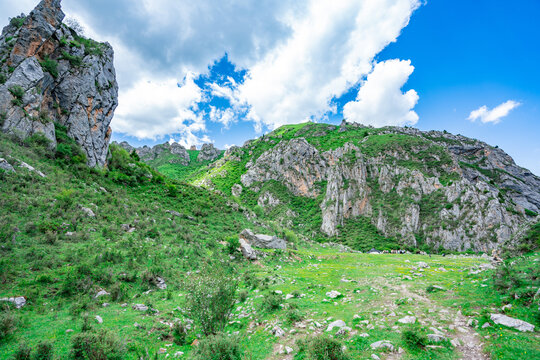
378 294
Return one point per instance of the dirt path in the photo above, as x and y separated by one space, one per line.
470 344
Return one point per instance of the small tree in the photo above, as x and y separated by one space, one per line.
211 297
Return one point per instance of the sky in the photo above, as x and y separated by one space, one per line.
228 71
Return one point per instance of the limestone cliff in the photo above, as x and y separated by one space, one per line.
49 73
418 187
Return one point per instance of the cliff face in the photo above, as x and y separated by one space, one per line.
49 73
431 188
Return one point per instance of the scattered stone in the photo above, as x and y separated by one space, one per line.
99 319
162 351
472 323
517 324
277 331
375 357
383 344
236 190
247 250
140 307
32 169
422 265
407 320
4 165
87 211
101 293
69 331
128 228
336 324
178 354
364 335
333 294
18 301
506 307
263 241
455 343
160 283
105 304
486 325
435 337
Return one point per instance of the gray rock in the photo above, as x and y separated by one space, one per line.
4 165
336 324
436 337
407 320
101 293
87 211
208 153
99 319
333 294
517 324
160 283
263 241
383 344
247 250
140 307
18 301
82 96
236 190
277 331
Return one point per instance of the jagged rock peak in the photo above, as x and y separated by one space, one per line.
50 74
208 153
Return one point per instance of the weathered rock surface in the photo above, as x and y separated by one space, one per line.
247 250
463 195
517 324
18 301
208 153
54 75
4 165
263 241
150 154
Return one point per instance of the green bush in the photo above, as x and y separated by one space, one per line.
50 66
322 347
3 78
18 93
8 325
243 295
73 60
44 351
211 295
38 142
3 117
271 302
101 345
293 316
23 352
218 347
179 334
530 213
67 150
233 243
17 21
413 339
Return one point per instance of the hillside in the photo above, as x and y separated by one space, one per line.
405 187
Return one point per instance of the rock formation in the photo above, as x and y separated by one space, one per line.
49 74
208 153
419 187
151 154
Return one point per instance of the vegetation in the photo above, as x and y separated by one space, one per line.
18 93
218 347
17 21
50 66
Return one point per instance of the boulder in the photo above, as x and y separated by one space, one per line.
247 250
407 320
383 345
4 165
263 241
140 307
517 324
333 294
336 324
18 301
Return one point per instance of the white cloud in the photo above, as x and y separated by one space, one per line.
155 108
331 48
494 115
225 117
380 101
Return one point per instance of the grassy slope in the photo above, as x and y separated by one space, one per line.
45 266
165 165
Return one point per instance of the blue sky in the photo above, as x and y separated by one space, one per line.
228 71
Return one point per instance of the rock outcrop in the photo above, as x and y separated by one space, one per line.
417 187
208 153
160 153
49 74
263 241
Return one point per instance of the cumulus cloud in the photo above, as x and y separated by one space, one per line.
494 115
331 48
155 108
380 101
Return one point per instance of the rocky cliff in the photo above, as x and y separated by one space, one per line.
49 73
416 187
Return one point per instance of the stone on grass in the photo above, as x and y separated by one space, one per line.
99 319
277 331
336 324
263 241
383 345
333 294
4 165
140 307
435 337
247 250
87 211
407 320
18 301
422 265
517 324
101 293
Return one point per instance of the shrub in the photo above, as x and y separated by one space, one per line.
73 60
179 334
38 141
3 78
413 339
101 345
293 316
233 243
23 352
3 117
530 213
8 325
50 66
271 302
243 295
44 351
218 347
18 93
322 347
18 21
211 297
